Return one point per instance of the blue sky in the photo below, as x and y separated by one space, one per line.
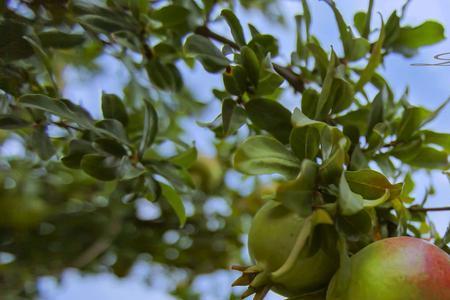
429 86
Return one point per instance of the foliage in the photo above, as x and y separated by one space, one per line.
348 149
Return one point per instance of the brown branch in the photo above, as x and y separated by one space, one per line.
206 32
294 79
425 209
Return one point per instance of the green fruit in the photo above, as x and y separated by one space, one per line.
401 268
273 233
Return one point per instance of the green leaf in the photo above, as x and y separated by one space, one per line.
309 101
171 15
423 157
271 116
113 129
374 60
60 40
251 64
427 33
331 169
436 138
150 127
56 107
332 139
100 167
102 24
12 122
325 101
268 83
204 50
299 119
392 29
357 118
342 93
265 155
305 142
233 116
235 26
175 202
113 108
165 76
42 144
77 149
413 118
351 203
359 21
235 80
178 177
346 35
298 194
360 47
110 146
12 44
185 159
376 114
371 184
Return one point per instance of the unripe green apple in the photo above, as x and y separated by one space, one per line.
400 268
273 234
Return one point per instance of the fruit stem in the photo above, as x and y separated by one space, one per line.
295 252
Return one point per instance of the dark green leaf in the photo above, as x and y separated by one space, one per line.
251 64
100 167
211 58
413 118
376 113
271 116
60 40
235 80
165 76
233 116
111 147
12 44
171 15
150 127
235 26
309 101
77 149
12 122
113 108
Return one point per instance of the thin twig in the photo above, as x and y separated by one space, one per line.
427 209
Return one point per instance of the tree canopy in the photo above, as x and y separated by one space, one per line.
345 154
